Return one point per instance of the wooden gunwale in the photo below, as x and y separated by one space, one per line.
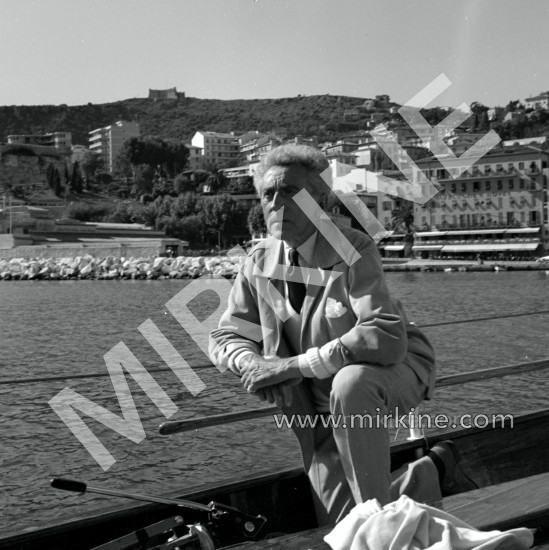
168 428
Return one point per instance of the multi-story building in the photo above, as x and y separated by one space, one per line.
503 192
253 147
194 161
217 149
59 140
538 102
108 141
342 151
240 173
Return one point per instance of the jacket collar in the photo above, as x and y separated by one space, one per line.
273 256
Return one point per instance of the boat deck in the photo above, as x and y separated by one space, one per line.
519 503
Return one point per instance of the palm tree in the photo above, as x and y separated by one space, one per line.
403 220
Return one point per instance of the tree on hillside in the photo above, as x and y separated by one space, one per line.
256 221
144 178
403 220
188 229
76 183
184 205
184 184
243 186
167 156
514 105
91 165
218 213
54 180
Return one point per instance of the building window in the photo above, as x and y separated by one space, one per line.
532 183
464 186
487 186
386 205
521 183
487 169
453 187
511 184
521 165
476 186
500 185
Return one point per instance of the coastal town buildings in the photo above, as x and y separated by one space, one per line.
217 149
108 141
194 161
500 200
59 140
538 102
26 172
38 232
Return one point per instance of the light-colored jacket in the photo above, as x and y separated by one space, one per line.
348 311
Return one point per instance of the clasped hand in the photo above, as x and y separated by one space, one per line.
270 378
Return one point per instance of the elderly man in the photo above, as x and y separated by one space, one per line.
311 325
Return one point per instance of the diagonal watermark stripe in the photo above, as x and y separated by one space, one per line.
171 357
329 230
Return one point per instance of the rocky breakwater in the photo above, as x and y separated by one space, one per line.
111 268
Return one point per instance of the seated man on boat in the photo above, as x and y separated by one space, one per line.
311 325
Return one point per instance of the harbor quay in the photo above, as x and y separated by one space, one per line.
90 267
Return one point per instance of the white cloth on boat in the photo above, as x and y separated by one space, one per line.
408 525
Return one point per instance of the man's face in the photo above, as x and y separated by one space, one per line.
284 218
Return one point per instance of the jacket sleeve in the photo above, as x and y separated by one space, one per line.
239 328
379 335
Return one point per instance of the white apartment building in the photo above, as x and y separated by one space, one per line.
538 102
218 149
108 141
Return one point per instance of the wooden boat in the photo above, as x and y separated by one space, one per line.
509 463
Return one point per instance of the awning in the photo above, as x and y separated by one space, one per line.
394 247
523 230
427 247
476 231
500 247
431 233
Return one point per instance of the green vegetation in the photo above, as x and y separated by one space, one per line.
320 115
201 220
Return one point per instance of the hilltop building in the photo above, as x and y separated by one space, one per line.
59 140
108 141
170 93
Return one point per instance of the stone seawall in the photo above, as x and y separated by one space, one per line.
111 267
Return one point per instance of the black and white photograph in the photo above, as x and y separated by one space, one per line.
274 275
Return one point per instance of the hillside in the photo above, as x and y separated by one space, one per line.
181 118
322 115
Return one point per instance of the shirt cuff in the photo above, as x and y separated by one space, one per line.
316 364
236 360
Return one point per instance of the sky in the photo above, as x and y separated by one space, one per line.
79 51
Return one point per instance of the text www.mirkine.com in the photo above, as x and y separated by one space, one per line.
410 420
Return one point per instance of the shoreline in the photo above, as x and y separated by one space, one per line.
88 267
